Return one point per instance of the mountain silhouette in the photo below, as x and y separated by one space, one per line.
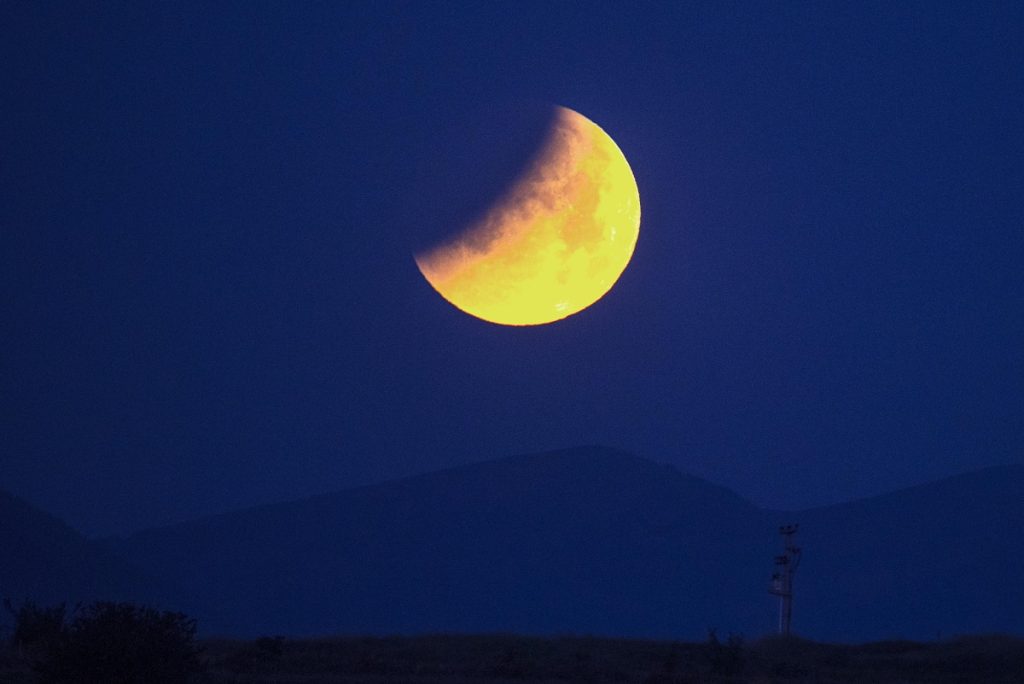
581 541
44 560
597 541
934 560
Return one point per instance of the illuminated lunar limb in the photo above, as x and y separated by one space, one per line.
555 243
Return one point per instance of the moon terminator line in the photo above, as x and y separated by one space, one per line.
555 242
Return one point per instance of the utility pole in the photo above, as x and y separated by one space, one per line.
782 578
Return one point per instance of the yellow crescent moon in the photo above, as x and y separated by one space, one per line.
555 243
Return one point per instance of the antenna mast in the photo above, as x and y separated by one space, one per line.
782 578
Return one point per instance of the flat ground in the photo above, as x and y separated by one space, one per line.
504 659
494 659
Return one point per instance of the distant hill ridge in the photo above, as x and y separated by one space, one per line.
43 559
998 478
596 541
542 468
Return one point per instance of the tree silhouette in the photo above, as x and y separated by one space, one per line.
37 629
121 643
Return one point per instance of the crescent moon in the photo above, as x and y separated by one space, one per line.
555 242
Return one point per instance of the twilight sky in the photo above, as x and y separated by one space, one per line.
208 211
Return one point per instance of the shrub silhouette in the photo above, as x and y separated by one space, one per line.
725 658
270 646
121 643
37 629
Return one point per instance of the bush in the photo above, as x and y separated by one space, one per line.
120 643
36 628
725 658
270 646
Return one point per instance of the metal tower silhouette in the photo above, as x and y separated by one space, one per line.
782 578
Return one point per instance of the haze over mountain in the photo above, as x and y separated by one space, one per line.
587 541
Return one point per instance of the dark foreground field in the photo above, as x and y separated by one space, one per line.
496 659
492 659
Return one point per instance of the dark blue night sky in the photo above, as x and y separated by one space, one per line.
207 216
